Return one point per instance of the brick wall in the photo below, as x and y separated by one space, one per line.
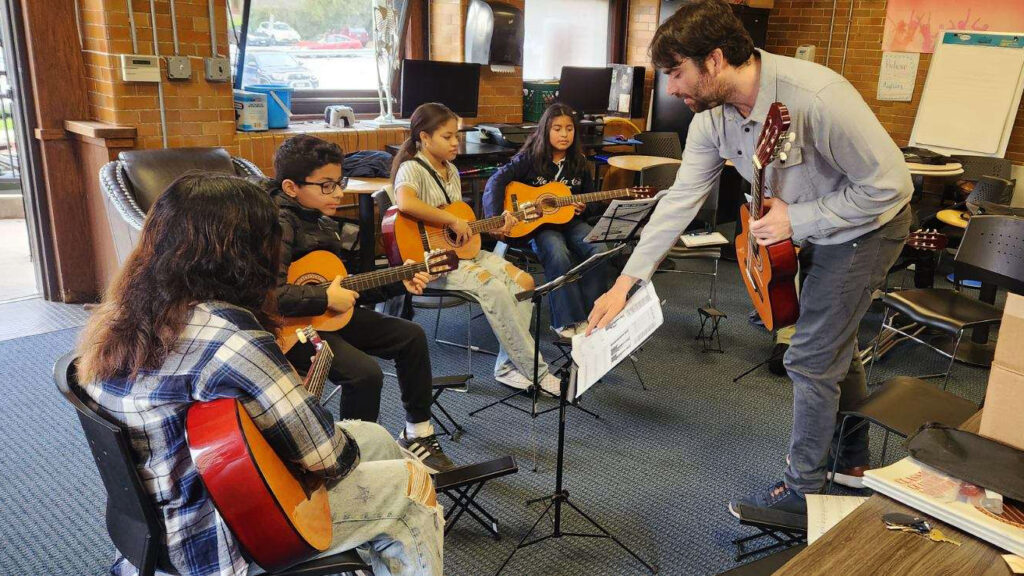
796 22
640 26
199 113
501 95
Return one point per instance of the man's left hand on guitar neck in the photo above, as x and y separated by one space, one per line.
774 226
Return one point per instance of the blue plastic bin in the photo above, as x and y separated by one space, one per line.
277 117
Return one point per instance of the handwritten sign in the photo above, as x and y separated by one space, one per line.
897 76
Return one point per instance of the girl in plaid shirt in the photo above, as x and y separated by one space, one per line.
190 319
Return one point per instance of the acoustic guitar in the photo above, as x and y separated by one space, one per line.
930 240
554 201
768 272
406 238
320 267
270 514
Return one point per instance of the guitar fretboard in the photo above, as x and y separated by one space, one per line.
378 278
317 375
561 201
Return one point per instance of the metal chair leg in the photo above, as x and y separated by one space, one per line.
874 343
885 446
437 320
835 460
952 358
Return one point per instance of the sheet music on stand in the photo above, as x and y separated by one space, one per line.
597 354
622 220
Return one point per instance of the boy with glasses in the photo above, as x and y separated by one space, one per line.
308 188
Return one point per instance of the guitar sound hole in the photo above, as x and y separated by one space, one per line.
451 237
547 204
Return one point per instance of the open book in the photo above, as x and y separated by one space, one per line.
934 493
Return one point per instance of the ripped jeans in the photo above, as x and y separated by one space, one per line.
386 508
492 279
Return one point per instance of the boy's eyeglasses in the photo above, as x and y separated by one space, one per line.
328 187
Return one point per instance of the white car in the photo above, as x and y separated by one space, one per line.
279 32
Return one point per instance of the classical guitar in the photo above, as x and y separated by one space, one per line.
768 272
554 201
406 238
276 521
320 267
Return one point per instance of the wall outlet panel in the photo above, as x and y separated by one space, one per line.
179 67
218 69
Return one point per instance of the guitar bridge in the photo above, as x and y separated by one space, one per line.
515 202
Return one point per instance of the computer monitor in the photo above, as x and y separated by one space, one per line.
585 89
454 84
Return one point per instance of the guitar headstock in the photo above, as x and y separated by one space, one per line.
776 139
641 192
931 240
310 335
440 261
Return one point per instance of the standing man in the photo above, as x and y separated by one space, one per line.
841 195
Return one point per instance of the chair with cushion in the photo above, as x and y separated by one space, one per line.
990 252
134 181
132 522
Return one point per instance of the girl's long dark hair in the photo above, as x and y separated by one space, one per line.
538 146
208 237
426 118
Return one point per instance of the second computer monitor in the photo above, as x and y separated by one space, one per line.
585 89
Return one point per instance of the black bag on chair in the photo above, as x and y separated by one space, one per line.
971 458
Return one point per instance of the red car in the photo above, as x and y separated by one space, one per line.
332 42
358 33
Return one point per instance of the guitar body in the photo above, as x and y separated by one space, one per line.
317 267
406 238
262 503
770 280
542 196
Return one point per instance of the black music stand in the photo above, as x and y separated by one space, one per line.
561 496
536 296
622 221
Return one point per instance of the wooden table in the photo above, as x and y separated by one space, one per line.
637 162
365 187
951 169
860 544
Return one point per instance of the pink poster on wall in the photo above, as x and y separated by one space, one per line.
913 25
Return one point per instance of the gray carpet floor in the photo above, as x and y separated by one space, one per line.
656 469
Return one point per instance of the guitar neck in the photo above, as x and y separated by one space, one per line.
378 278
757 193
591 197
493 223
317 374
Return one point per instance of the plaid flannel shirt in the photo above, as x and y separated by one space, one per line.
223 352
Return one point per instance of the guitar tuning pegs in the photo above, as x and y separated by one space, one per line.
787 147
791 137
783 156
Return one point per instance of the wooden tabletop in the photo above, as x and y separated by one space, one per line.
953 217
637 162
951 169
861 544
366 185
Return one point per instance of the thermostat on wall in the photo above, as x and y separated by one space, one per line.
140 68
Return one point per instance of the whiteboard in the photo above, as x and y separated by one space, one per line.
972 94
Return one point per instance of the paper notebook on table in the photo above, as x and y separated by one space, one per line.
703 239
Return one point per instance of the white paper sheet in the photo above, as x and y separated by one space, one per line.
824 512
597 354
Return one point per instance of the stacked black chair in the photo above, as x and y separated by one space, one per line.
664 144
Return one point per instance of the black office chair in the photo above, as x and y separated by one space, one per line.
133 182
990 252
660 178
132 522
901 406
990 189
664 144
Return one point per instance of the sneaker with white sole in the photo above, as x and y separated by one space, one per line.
427 450
516 379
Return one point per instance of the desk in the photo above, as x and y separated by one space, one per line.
365 187
951 169
860 544
469 150
637 162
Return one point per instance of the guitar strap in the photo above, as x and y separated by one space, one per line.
437 178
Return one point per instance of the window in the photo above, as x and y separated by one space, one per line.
321 48
564 33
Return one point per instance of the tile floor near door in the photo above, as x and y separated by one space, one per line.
17 273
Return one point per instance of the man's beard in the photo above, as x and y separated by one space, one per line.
712 95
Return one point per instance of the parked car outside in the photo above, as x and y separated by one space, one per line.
281 33
277 68
360 34
332 42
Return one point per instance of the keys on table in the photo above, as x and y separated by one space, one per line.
915 525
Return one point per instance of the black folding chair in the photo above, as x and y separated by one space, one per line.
133 524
